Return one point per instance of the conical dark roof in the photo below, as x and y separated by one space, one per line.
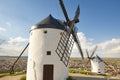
99 58
50 22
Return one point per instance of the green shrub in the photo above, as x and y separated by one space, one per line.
71 70
3 74
69 78
85 72
23 78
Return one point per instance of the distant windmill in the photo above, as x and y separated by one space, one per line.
50 46
97 64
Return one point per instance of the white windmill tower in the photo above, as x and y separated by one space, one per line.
50 46
97 64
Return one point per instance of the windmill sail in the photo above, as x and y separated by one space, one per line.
64 10
91 56
68 37
12 67
76 39
64 47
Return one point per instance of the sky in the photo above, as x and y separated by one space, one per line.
99 24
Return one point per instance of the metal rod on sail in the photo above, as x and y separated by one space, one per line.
12 68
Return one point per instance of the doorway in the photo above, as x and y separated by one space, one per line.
48 72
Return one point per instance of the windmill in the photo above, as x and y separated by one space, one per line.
50 45
97 64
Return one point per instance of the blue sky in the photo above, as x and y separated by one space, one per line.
99 20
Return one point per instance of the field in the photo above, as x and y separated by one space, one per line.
75 63
112 69
6 63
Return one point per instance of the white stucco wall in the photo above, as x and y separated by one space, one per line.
97 66
40 43
94 66
101 68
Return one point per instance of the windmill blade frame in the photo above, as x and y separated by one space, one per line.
77 13
90 57
87 57
93 52
64 10
87 53
87 62
71 25
76 39
109 66
68 36
12 67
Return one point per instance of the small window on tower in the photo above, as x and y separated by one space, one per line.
48 52
45 31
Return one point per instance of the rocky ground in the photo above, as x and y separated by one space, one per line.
113 67
6 63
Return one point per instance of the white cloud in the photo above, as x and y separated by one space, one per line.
2 29
11 50
2 41
85 42
110 48
13 46
8 23
17 40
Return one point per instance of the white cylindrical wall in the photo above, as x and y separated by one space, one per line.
40 43
94 66
101 68
97 66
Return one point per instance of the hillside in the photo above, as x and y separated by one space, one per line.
77 63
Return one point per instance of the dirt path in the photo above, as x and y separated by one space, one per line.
75 76
11 77
88 77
